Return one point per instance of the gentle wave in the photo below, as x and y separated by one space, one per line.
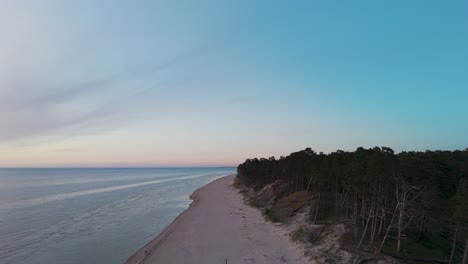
63 196
76 181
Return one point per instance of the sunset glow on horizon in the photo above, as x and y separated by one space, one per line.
212 83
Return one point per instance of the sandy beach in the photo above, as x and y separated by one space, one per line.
218 228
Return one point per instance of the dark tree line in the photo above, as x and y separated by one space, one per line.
394 199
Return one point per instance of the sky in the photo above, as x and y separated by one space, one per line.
211 83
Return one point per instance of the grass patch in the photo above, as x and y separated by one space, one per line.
299 235
286 206
271 216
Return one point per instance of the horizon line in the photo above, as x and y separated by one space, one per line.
121 167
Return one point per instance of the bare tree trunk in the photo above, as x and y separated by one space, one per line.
465 252
382 219
317 209
336 198
371 237
374 220
374 228
365 228
363 209
336 202
355 211
400 227
344 199
310 182
454 243
421 227
388 228
347 207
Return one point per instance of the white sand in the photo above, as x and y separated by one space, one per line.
217 227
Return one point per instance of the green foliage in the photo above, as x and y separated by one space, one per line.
299 234
271 216
351 183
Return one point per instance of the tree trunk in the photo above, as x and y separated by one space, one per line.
388 228
363 209
336 203
454 243
310 182
355 211
317 209
372 231
345 196
400 227
382 219
465 252
421 227
374 220
347 208
374 227
365 228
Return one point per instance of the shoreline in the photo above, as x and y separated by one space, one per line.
140 255
218 227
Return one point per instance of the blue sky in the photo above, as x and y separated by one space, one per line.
172 83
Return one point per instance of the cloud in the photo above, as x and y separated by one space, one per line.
39 110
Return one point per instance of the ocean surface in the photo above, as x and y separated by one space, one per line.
90 215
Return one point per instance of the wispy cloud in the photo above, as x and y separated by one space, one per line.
37 109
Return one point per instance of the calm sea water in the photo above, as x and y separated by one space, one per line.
90 215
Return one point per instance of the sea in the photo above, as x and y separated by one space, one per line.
90 215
